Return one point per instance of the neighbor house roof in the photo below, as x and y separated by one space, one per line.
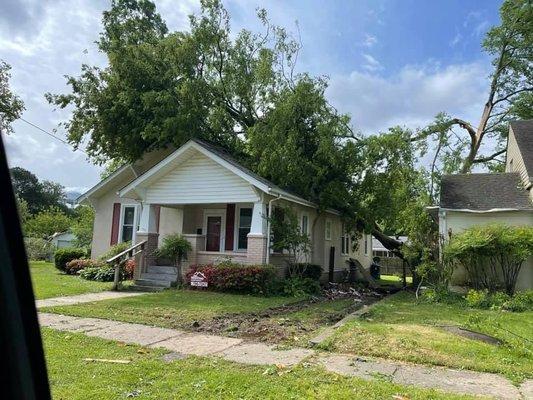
523 133
484 192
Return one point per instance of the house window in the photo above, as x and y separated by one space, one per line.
366 243
328 229
345 241
305 224
128 223
276 233
245 223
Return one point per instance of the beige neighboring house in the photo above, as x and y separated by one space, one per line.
199 191
479 199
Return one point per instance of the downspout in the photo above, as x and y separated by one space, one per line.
268 226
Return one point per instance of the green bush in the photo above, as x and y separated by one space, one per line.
299 287
65 255
102 274
38 249
492 255
440 294
114 250
521 301
305 270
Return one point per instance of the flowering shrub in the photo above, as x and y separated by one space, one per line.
75 266
254 279
129 269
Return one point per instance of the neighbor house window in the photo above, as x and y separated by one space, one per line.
305 224
245 223
328 229
345 241
128 223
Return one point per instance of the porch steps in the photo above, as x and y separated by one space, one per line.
156 278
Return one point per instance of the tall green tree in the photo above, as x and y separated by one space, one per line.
46 223
38 195
510 88
11 106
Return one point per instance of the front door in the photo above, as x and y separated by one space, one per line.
214 226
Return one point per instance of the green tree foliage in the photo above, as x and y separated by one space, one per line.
492 255
11 106
39 196
46 223
510 45
82 226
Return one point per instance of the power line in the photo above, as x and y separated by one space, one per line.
51 135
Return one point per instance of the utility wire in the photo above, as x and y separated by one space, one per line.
51 135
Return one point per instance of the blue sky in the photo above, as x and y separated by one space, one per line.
388 62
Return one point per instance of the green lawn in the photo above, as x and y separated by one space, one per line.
393 280
175 308
49 282
148 377
399 328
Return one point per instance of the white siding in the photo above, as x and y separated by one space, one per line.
515 162
200 180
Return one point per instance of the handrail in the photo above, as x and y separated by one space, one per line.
128 250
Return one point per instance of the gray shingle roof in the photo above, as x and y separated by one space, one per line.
483 192
523 132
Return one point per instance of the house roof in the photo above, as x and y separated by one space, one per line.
484 192
224 159
523 132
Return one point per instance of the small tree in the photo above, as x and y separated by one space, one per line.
46 223
492 255
83 226
287 236
174 247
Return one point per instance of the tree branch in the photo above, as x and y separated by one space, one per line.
489 158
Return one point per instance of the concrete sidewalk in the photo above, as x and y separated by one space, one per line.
84 298
237 350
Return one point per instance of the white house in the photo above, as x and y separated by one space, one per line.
199 191
62 239
478 199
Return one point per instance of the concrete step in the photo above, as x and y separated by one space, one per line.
153 282
162 269
159 277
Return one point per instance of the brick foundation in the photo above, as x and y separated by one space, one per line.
256 253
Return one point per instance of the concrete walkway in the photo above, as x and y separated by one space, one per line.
237 350
84 298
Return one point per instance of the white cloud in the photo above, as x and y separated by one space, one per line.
412 97
371 63
456 39
369 40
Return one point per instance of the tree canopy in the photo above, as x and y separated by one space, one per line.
11 106
242 91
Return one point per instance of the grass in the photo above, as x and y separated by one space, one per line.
393 280
49 282
172 308
399 328
148 377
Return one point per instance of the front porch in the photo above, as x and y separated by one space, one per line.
216 231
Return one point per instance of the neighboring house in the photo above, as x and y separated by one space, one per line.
390 263
199 191
479 199
62 239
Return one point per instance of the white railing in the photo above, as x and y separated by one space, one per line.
122 257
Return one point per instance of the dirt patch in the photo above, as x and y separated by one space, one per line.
467 333
293 323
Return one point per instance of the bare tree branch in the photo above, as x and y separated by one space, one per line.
489 158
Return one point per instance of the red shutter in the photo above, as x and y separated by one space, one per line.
230 225
114 223
157 217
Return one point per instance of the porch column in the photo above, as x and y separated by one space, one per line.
256 253
147 231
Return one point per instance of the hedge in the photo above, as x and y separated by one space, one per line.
65 255
238 278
